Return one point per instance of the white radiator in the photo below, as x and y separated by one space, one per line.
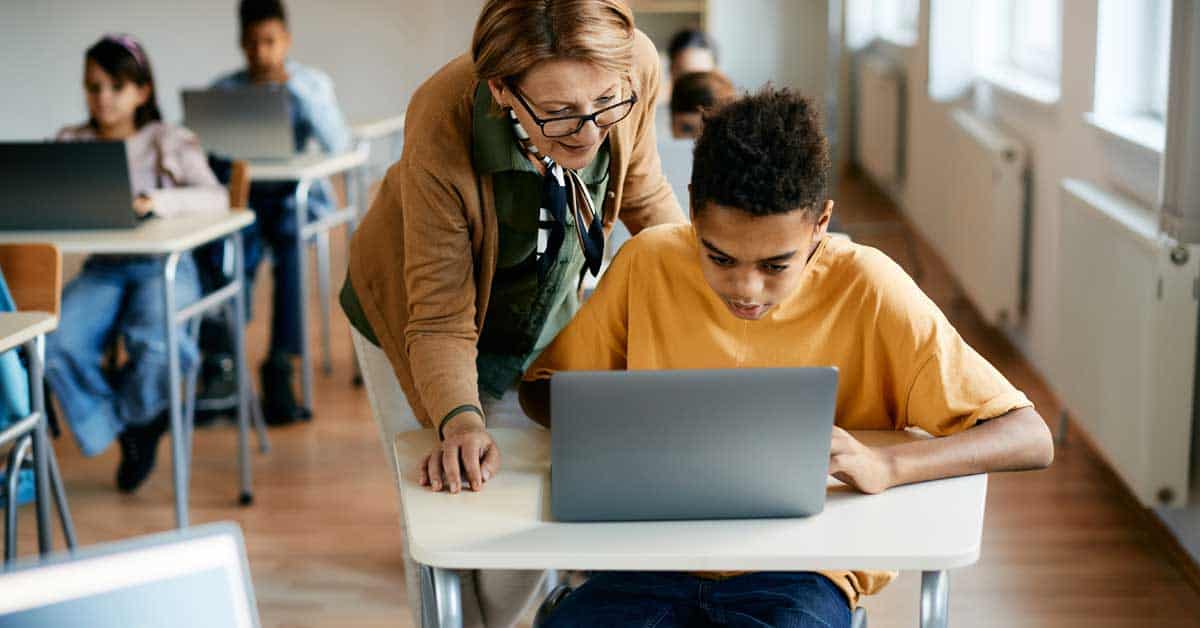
981 232
1127 316
881 121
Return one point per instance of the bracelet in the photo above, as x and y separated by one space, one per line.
453 413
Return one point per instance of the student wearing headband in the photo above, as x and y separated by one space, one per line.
518 159
122 296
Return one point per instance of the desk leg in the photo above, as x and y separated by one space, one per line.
60 497
179 455
441 600
935 599
41 444
302 188
246 496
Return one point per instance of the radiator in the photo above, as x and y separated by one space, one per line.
981 231
880 120
1126 358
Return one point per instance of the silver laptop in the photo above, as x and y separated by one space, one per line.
67 185
195 578
697 444
252 122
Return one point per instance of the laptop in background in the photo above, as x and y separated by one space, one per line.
194 578
253 123
694 444
65 185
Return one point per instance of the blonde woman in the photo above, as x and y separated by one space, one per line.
519 157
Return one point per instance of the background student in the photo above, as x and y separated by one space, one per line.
266 42
123 295
691 95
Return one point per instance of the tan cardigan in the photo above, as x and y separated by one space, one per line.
422 260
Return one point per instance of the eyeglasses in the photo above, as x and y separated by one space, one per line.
570 125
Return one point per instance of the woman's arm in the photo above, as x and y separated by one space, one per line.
647 199
1016 441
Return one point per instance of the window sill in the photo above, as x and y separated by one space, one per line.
1136 132
1026 87
1133 148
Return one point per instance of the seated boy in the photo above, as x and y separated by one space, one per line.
691 96
756 282
266 42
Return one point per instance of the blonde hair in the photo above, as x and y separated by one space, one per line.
512 36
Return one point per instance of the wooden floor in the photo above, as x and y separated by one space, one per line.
1063 548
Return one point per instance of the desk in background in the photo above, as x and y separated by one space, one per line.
168 240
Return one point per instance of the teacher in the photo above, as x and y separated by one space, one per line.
518 159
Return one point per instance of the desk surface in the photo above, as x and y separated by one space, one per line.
929 526
306 166
368 130
17 328
157 236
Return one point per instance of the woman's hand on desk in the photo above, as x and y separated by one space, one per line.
863 468
468 453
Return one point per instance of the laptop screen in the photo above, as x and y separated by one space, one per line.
182 581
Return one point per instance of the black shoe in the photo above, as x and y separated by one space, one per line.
139 447
278 402
218 390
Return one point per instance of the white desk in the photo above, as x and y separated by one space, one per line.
29 329
508 526
169 239
378 128
306 170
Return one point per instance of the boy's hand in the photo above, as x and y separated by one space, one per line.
468 454
863 468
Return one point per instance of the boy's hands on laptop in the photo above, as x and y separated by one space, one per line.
861 467
467 455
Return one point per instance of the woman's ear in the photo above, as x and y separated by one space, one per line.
499 93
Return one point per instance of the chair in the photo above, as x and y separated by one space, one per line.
33 273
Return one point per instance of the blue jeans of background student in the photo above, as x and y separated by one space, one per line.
615 599
111 297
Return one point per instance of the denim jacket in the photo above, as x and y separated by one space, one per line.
315 117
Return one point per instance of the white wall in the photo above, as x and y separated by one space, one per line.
782 41
1061 146
377 51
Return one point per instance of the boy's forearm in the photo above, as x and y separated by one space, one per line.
1016 441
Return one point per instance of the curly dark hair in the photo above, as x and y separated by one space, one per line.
251 12
763 153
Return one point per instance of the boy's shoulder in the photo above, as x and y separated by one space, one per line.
307 74
668 243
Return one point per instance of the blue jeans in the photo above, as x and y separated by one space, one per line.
668 599
116 296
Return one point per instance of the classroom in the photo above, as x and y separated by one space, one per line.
575 313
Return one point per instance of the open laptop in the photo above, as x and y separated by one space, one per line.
65 185
696 444
253 122
194 578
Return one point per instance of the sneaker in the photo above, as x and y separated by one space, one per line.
139 447
279 402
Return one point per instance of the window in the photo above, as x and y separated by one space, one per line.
1034 32
896 20
1158 64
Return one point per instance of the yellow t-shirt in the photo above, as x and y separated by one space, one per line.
901 363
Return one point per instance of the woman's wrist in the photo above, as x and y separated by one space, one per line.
464 418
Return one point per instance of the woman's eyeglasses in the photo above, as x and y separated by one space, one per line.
570 125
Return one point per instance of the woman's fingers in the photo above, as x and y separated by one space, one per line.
450 466
491 461
433 466
470 462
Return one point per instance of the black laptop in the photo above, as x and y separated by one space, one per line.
65 185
